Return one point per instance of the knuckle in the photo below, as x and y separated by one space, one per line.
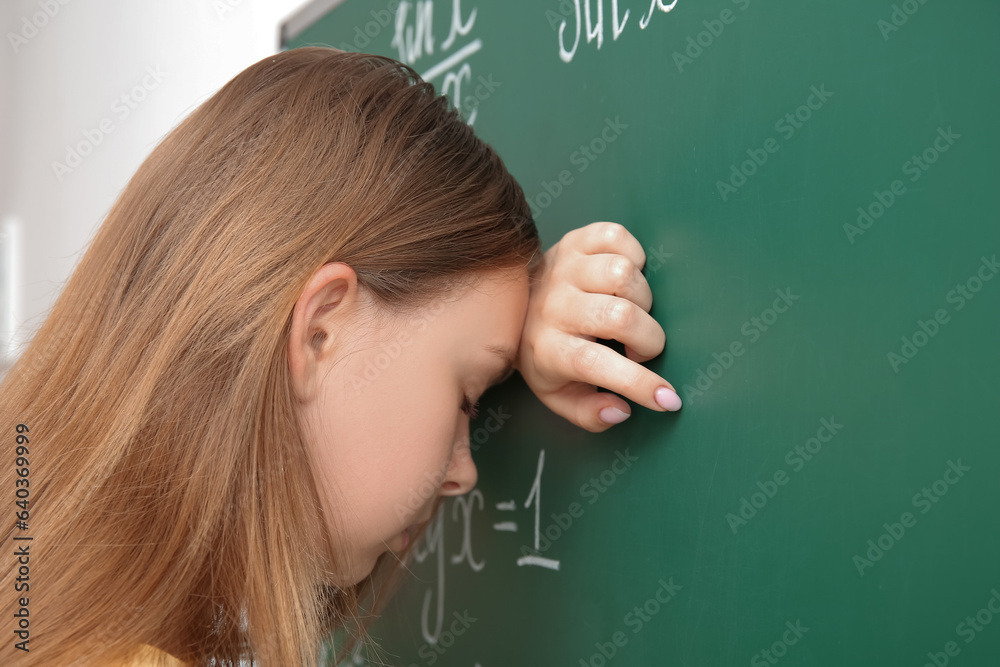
620 272
632 382
618 315
614 232
584 359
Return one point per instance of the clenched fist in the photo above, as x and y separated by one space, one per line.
588 287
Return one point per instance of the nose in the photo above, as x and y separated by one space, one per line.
462 474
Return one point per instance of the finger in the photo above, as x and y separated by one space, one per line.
611 318
582 404
634 356
606 237
583 361
613 274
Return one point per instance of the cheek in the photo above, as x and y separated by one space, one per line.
386 462
423 461
382 449
418 415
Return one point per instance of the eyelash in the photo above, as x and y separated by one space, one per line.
469 408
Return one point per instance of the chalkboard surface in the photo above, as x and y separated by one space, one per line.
815 186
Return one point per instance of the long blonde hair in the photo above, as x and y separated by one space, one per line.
168 485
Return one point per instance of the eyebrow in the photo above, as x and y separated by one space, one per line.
508 356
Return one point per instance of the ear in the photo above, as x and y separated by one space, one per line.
321 313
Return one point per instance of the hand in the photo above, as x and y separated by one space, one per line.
589 286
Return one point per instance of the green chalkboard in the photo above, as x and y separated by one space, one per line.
815 186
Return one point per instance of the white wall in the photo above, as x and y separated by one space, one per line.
59 82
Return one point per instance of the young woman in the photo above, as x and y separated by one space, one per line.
276 337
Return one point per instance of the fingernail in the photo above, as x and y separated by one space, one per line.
667 399
611 415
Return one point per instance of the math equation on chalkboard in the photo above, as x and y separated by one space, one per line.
461 513
432 545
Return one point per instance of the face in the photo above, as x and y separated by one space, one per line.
384 402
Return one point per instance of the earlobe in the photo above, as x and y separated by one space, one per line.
318 314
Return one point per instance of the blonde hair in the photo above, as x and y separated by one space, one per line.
169 484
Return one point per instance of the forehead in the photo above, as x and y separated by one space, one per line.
487 311
490 311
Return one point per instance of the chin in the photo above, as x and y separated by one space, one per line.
357 576
342 579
